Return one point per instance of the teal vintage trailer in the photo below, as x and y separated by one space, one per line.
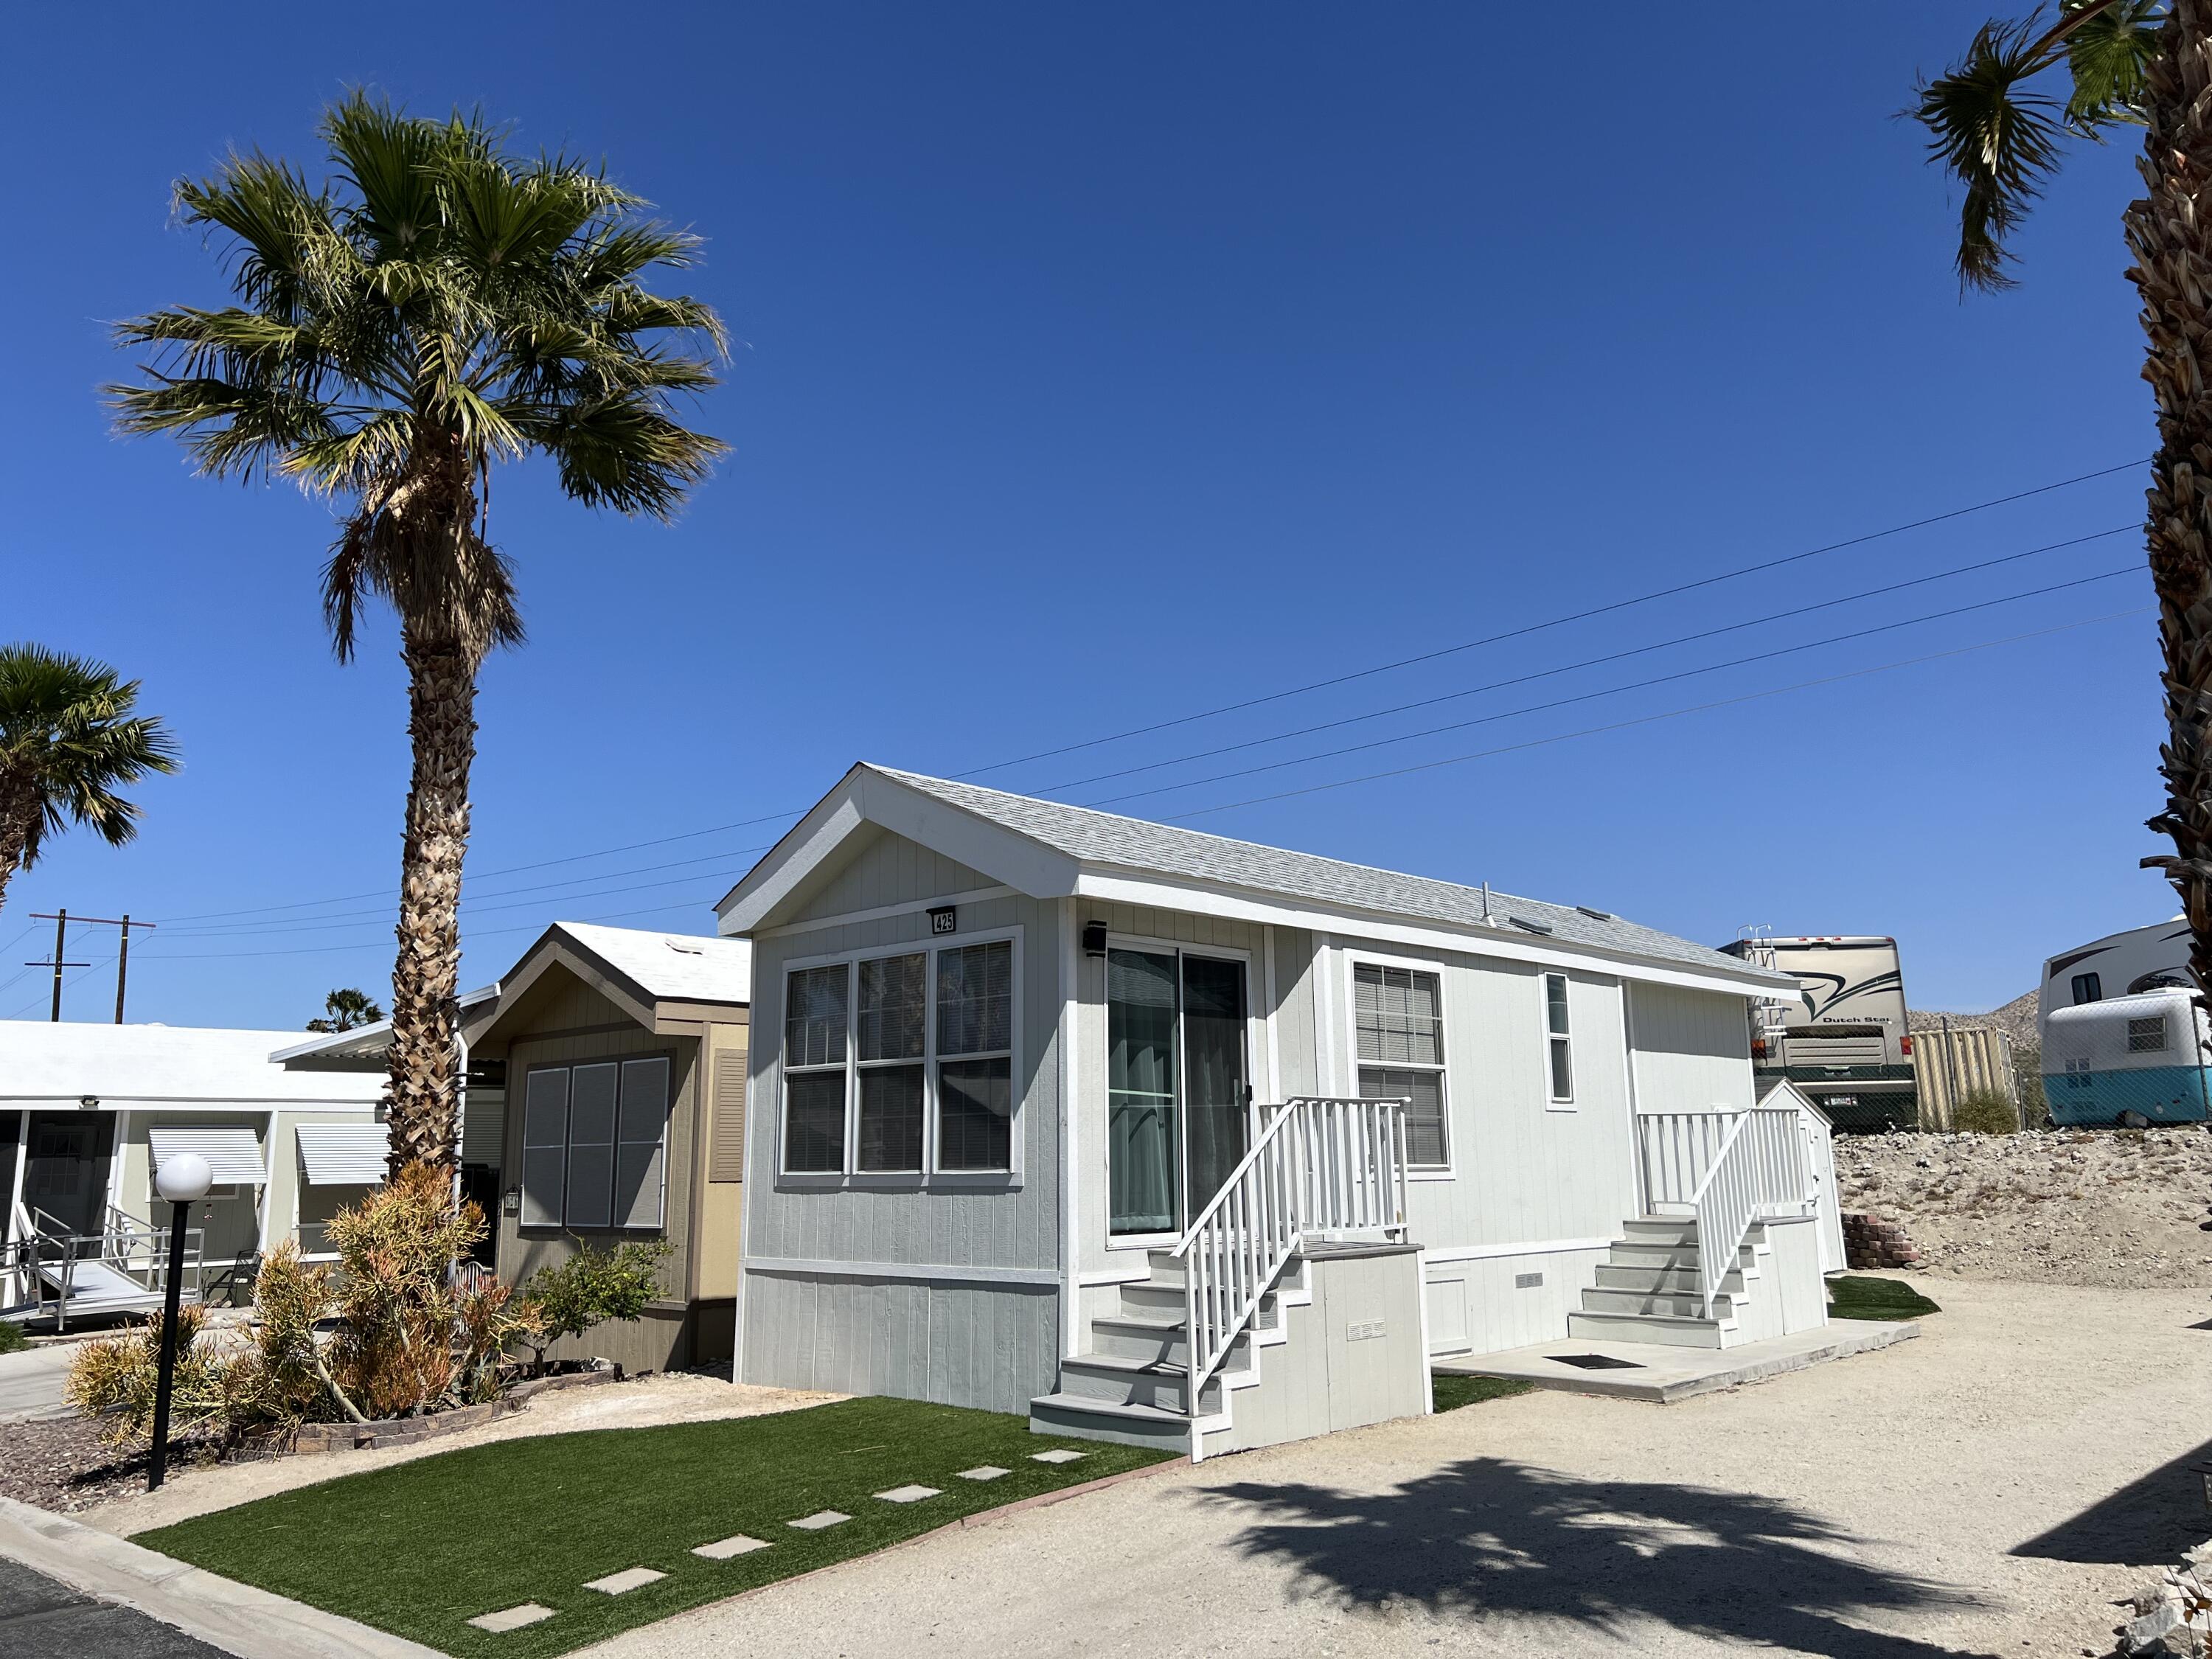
2127 1058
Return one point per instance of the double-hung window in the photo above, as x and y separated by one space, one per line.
1559 1040
594 1144
900 1063
1398 1014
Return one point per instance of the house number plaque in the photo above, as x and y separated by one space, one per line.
945 919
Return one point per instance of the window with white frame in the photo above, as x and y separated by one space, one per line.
595 1146
1559 1040
1399 1016
900 1063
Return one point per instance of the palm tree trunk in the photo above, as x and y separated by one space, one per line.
424 1086
2170 235
18 814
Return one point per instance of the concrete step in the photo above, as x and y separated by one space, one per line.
1099 1420
1611 1276
1678 1303
1670 1229
1124 1381
1630 1254
1671 1330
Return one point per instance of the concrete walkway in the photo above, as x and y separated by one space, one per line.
31 1382
218 1615
1657 1372
1989 1488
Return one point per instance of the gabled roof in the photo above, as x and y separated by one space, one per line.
670 967
1077 840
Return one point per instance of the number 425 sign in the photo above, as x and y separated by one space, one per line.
945 919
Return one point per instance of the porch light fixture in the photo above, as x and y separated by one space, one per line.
183 1180
88 1102
1094 939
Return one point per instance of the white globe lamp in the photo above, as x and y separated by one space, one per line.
184 1178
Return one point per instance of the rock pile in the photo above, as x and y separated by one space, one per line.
1870 1242
2108 1208
2172 1616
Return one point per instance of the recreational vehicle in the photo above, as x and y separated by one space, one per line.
2128 1059
1842 1040
2150 958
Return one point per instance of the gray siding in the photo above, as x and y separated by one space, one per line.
958 1339
992 1346
1693 1050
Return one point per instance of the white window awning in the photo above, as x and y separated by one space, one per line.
233 1155
343 1154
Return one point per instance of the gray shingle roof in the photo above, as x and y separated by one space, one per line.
1133 844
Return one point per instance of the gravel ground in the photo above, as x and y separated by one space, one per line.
2102 1207
1969 1492
61 1465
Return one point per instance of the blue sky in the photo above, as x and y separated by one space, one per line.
1096 367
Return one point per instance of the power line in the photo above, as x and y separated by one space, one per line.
1587 662
371 945
1616 690
1275 696
1555 622
1648 720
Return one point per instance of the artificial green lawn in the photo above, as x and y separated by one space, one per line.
419 1548
1854 1297
1449 1390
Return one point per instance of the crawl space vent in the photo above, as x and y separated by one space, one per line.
1527 1281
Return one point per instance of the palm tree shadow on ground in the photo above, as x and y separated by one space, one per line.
1508 1544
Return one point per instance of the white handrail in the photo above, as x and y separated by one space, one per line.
1318 1165
1757 1170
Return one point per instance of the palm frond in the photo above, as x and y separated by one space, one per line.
1998 141
70 738
2108 53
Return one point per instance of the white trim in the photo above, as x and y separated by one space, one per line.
1421 1282
1071 1012
22 1163
935 1273
195 1103
1540 1246
1557 1102
268 1183
1275 1089
1194 898
929 1176
1631 1094
1323 973
118 1142
1095 1277
885 912
1351 956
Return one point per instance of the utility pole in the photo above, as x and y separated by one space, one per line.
61 920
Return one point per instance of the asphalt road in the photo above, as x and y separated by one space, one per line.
40 1616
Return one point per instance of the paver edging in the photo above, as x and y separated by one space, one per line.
317 1439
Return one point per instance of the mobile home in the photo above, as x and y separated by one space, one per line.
2130 1059
1115 1123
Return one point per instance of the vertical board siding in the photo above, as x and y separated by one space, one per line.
989 1346
882 869
1693 1050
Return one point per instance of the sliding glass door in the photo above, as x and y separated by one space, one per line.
1178 1095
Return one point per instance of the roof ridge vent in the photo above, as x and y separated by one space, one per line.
1526 926
1597 915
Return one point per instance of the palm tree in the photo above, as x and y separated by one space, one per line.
438 305
346 1010
69 740
2145 63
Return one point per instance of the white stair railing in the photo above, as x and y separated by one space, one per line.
1757 1172
1318 1166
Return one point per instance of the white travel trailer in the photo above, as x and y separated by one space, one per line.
2133 1060
2150 958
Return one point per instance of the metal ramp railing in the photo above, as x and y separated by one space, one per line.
49 1271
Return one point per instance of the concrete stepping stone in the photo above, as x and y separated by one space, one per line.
909 1494
512 1618
819 1519
620 1584
1057 1455
723 1549
983 1472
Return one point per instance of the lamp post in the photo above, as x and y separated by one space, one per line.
183 1180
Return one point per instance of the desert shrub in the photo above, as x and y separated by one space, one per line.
1985 1112
394 1352
12 1337
115 1378
590 1288
487 1319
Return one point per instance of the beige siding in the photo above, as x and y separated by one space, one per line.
721 1192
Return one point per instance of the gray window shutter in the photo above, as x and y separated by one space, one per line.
642 1149
592 1145
545 1147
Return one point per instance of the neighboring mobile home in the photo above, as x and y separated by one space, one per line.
1115 1123
88 1112
623 1053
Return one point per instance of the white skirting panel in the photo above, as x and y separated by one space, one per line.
992 1346
1480 1305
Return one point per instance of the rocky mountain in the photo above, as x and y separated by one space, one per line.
2016 1019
